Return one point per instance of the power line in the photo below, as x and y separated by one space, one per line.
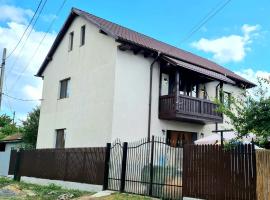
209 16
20 99
37 48
27 37
12 51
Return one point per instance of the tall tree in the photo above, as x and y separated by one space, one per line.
30 127
5 120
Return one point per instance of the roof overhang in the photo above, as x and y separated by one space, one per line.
190 61
11 141
197 69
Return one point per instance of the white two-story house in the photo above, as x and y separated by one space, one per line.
102 81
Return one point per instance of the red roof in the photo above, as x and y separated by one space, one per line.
125 34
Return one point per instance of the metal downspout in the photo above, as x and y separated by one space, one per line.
150 97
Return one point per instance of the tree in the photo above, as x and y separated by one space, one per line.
7 126
250 112
30 127
5 120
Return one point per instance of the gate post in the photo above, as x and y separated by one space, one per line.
107 166
123 170
151 166
17 173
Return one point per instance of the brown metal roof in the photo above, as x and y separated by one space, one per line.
199 70
124 34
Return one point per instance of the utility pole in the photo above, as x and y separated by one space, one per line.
13 117
2 75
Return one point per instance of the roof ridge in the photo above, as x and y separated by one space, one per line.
127 34
167 44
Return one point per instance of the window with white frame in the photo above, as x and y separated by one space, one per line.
64 88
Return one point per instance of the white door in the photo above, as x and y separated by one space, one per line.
164 84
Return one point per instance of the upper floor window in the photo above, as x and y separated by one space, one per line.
70 44
60 138
82 41
64 88
227 99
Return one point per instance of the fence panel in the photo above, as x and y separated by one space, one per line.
212 173
12 162
85 165
263 174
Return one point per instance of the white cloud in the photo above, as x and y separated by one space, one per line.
252 75
231 47
10 36
33 92
15 14
28 86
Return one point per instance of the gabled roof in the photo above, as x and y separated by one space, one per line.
126 35
17 137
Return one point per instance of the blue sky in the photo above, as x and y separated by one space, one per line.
237 37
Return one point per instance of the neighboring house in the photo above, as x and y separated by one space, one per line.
6 145
102 81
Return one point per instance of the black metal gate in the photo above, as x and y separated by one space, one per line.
152 168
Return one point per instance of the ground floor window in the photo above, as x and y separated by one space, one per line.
179 138
60 138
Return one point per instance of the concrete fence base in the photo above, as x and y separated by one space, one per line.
63 184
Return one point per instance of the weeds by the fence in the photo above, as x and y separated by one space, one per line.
37 192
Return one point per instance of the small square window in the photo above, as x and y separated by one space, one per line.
82 42
70 44
64 88
60 138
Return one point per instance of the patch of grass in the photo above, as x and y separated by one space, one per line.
50 192
124 196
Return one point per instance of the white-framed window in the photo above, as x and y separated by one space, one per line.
82 39
64 88
70 44
60 138
227 99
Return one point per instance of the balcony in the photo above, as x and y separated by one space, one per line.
189 109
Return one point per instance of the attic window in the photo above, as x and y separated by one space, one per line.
82 42
70 44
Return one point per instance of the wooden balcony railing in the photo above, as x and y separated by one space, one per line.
188 109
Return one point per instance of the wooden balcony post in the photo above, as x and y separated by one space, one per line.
221 96
177 81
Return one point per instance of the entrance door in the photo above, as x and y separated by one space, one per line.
176 138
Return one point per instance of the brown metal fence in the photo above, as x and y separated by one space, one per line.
212 173
85 165
263 174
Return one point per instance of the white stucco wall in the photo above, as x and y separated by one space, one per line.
131 97
109 93
5 157
87 113
211 91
